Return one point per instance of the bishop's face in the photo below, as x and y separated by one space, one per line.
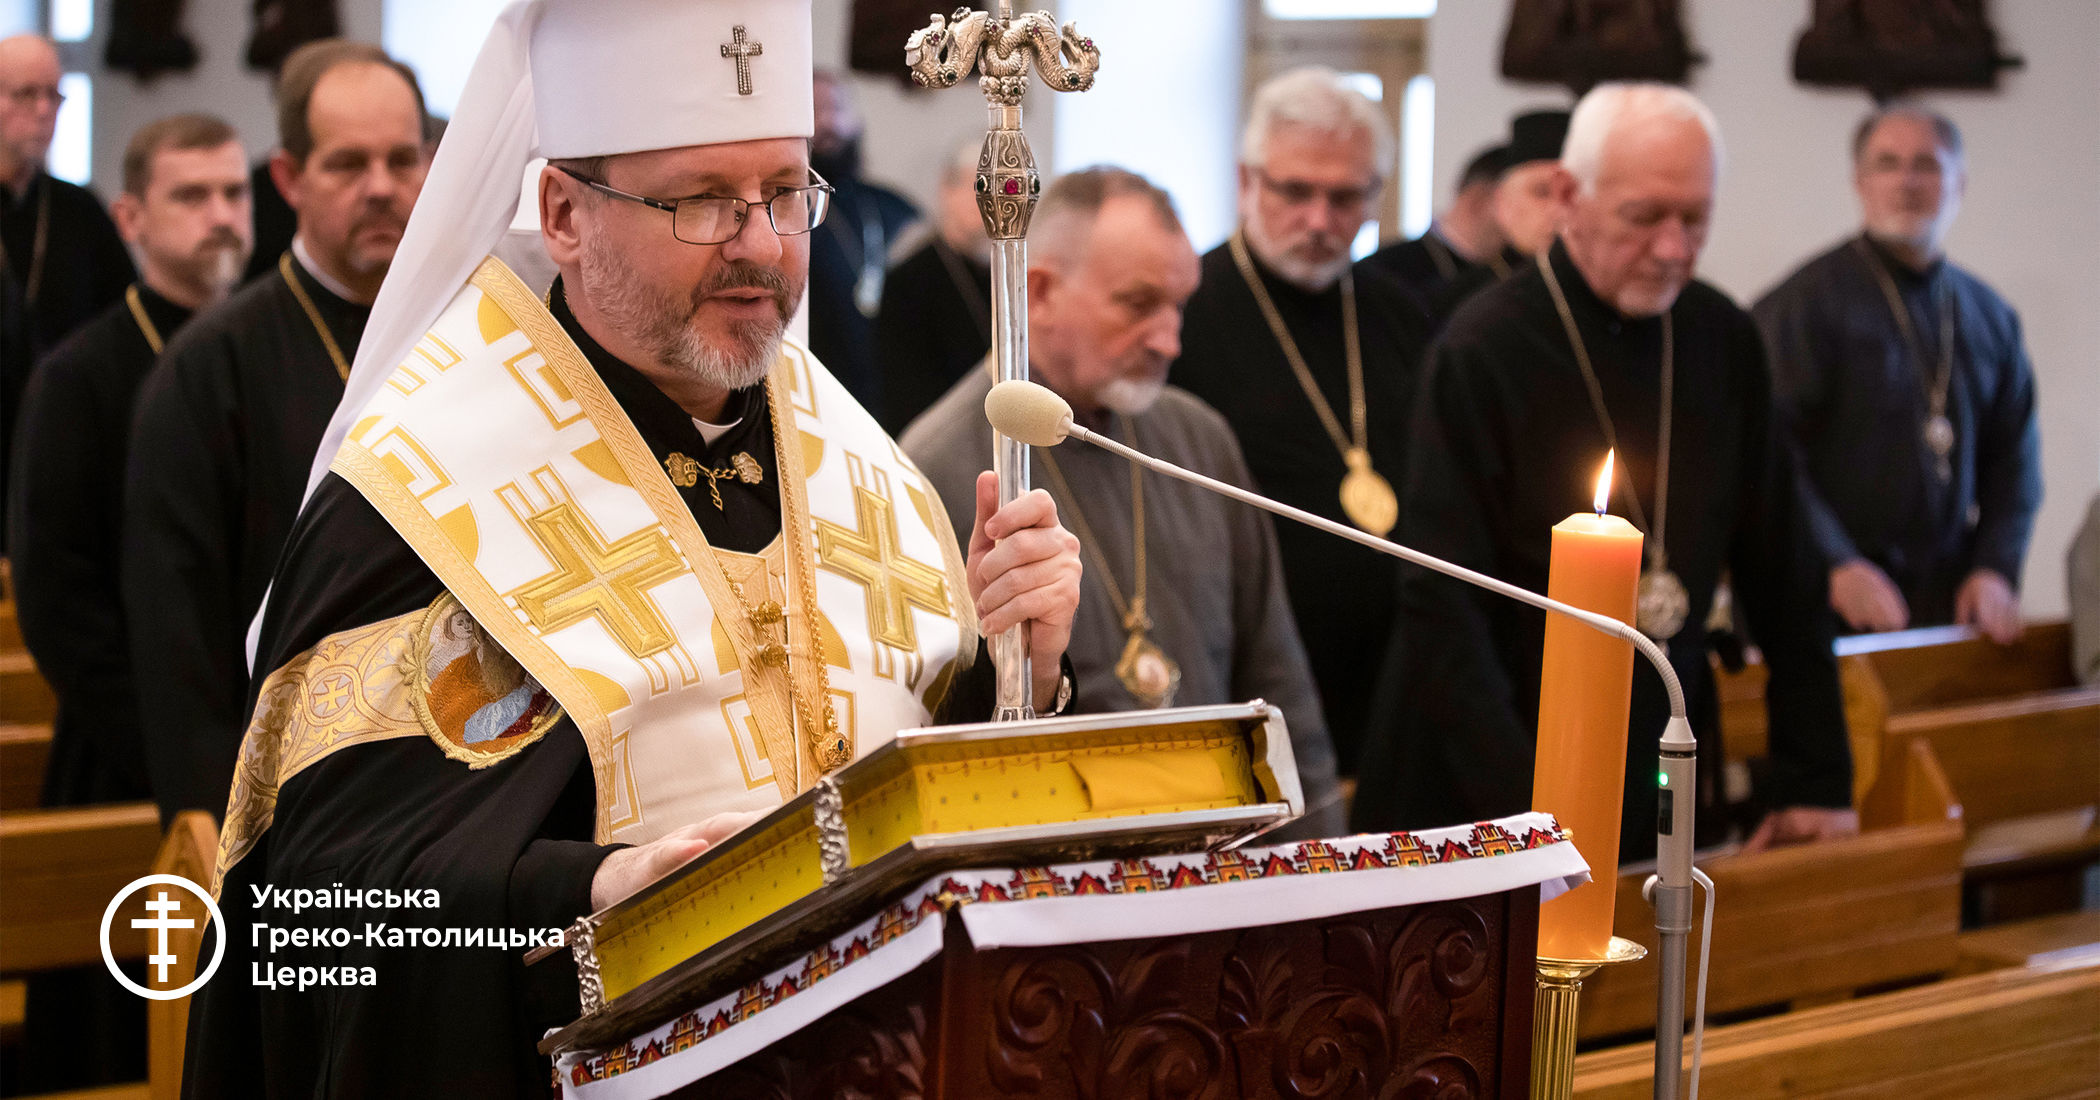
1637 234
707 313
1909 187
1302 206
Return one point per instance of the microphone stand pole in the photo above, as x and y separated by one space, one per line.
1670 888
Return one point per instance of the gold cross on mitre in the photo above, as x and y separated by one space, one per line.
592 578
895 583
742 52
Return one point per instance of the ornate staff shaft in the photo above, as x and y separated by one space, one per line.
1000 45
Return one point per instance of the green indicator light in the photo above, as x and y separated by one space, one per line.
1662 779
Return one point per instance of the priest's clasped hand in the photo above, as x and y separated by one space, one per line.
1024 567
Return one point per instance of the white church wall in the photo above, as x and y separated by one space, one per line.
220 84
2030 225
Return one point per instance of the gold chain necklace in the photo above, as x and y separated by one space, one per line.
1663 604
830 746
1144 668
335 353
138 314
1938 429
1367 497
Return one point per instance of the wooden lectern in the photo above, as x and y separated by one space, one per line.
1380 965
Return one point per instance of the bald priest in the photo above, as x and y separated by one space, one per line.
587 583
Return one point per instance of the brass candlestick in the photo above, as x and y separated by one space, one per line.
1553 1017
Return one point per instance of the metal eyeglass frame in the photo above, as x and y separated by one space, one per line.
818 210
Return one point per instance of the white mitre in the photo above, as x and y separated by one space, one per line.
575 78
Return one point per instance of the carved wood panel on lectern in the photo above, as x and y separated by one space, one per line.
1402 1003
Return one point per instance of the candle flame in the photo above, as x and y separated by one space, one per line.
1604 483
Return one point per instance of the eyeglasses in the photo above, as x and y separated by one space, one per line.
717 219
1300 193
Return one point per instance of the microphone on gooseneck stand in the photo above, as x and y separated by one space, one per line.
1032 414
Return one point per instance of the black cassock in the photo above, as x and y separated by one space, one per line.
1439 277
1341 593
1855 396
1506 445
507 846
83 268
65 518
223 437
935 323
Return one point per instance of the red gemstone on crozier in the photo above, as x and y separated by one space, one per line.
1013 187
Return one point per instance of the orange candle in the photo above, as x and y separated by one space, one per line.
1585 688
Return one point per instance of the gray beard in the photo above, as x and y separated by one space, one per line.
661 324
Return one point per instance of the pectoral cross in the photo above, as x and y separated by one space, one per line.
742 51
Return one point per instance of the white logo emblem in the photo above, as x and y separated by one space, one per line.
164 920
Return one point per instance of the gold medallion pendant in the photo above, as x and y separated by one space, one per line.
1147 672
1662 604
1367 497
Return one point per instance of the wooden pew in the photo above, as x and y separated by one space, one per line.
190 849
1949 665
24 751
24 696
2049 943
61 868
2005 1035
1808 924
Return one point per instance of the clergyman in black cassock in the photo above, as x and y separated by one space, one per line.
1860 385
63 265
1300 206
65 520
229 419
1507 442
226 429
1341 593
185 207
1504 447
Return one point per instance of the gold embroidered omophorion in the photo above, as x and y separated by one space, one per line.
429 673
555 524
1367 497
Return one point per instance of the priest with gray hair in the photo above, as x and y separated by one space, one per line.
1182 602
1312 360
1906 384
585 584
1608 343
